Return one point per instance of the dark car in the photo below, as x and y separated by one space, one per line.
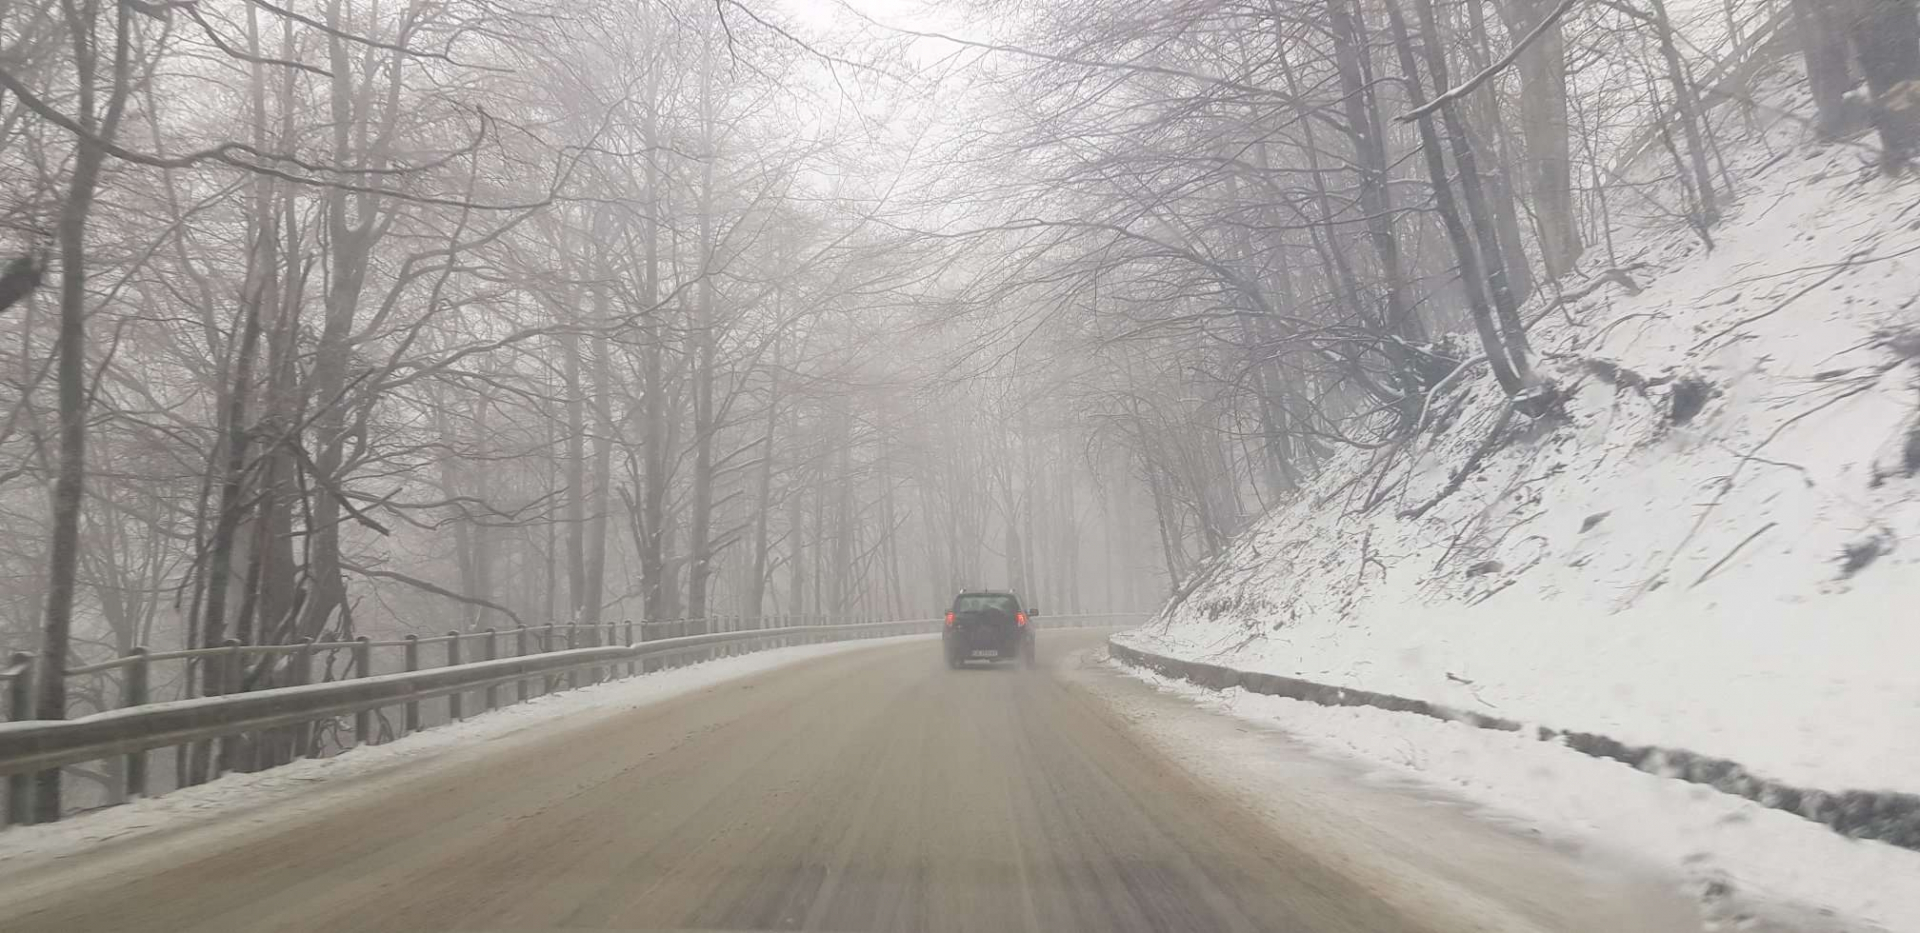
987 625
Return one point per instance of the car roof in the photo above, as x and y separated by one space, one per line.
985 593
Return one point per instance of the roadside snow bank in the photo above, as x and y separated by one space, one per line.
1730 850
1887 816
1821 695
1711 551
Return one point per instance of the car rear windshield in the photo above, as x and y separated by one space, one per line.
976 602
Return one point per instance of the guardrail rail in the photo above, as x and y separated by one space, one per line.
539 664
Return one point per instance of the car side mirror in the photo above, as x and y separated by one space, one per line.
1032 612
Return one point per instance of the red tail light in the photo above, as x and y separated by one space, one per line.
949 620
1020 617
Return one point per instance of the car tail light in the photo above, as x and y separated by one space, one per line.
1020 617
949 620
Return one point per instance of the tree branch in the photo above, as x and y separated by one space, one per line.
433 588
238 155
1461 90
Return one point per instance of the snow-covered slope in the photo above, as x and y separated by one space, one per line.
1714 549
1738 580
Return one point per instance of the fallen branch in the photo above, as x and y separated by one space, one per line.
1726 485
1611 276
1468 468
1729 556
1845 265
1426 408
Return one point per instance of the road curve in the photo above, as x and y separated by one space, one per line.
870 790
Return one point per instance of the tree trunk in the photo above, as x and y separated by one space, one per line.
756 593
576 473
796 546
1471 281
1823 43
1492 258
652 514
1361 107
1687 106
699 532
1488 132
1886 35
601 503
352 225
1542 69
50 701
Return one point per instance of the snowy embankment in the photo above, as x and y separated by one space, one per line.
319 784
1713 550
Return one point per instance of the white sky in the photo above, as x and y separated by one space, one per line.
926 15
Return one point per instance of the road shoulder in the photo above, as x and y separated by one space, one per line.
1405 839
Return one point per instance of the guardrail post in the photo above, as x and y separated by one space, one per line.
455 711
301 672
19 707
363 667
412 655
236 662
633 666
604 636
493 654
573 641
551 681
135 694
594 638
232 669
520 651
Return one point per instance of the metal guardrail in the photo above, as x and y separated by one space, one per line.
36 745
18 673
27 746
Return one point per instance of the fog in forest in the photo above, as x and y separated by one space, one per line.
336 319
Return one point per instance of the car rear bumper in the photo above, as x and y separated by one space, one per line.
984 646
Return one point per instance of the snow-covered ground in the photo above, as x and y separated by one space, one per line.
1675 584
1741 583
239 800
1736 855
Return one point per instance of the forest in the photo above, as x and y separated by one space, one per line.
331 318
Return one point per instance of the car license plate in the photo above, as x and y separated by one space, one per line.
986 653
